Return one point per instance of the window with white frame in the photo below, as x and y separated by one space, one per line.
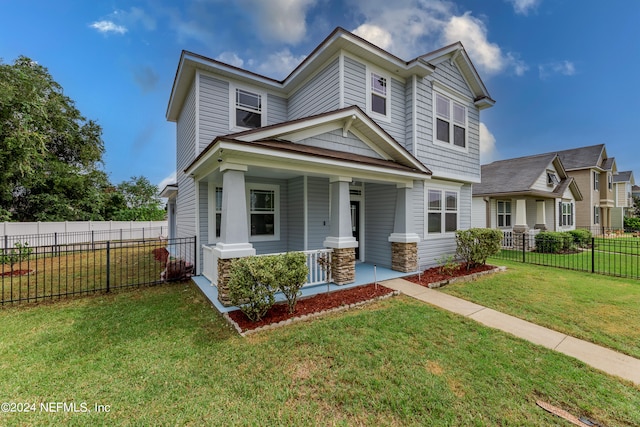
248 109
379 95
451 121
596 181
442 211
596 215
504 213
263 212
610 181
567 214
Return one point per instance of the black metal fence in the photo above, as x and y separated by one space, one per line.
29 274
614 254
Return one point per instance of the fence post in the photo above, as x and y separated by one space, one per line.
593 254
195 255
524 249
108 264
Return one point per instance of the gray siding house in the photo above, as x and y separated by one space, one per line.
357 152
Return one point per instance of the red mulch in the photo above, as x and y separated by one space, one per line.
314 304
435 274
16 273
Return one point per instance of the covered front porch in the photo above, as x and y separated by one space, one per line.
364 274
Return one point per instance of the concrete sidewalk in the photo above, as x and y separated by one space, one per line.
601 358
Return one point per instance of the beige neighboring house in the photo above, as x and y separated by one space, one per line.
526 194
623 183
593 171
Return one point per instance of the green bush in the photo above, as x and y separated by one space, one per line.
581 237
21 252
552 242
475 245
254 281
632 223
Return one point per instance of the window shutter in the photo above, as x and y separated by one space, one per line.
571 205
560 213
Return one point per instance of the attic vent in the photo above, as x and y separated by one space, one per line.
552 179
355 192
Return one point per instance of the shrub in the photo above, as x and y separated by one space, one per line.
254 280
250 287
553 241
632 223
475 245
581 237
14 256
448 265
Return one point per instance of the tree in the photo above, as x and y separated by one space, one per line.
50 155
141 199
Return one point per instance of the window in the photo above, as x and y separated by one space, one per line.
218 210
552 179
566 214
596 181
451 121
248 112
262 211
442 211
596 215
610 181
504 213
378 94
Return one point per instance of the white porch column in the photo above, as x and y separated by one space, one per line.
340 231
404 240
234 228
521 215
403 225
541 215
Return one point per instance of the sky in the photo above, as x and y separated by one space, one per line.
563 73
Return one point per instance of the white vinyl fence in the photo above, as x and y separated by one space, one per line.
71 232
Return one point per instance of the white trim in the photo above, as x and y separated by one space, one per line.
211 212
387 96
305 208
276 211
442 188
452 100
233 87
404 238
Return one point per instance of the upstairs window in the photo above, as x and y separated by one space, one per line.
451 121
378 94
552 179
248 109
610 181
596 182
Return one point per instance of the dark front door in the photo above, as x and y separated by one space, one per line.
355 223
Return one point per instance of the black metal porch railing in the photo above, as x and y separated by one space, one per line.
29 274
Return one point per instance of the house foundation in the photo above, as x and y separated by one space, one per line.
404 257
343 266
224 272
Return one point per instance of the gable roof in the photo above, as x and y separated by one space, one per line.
518 175
593 156
339 40
624 176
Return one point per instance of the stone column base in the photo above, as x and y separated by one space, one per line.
224 271
404 257
343 266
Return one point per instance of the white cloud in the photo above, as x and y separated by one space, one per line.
374 34
280 20
564 68
108 27
488 150
170 179
278 65
523 7
231 58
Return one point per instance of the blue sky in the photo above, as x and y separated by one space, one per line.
563 72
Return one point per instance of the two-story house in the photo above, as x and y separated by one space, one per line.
593 171
356 152
623 183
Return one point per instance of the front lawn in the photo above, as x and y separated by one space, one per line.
162 356
601 309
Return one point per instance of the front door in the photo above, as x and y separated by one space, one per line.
355 223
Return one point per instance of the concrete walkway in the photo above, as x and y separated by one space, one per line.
601 358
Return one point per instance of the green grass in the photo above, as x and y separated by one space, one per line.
162 356
601 309
623 245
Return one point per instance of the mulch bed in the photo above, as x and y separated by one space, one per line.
435 274
16 273
315 304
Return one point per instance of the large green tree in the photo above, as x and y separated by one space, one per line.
50 155
142 202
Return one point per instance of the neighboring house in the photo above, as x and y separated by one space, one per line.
623 200
635 191
357 152
526 193
593 171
